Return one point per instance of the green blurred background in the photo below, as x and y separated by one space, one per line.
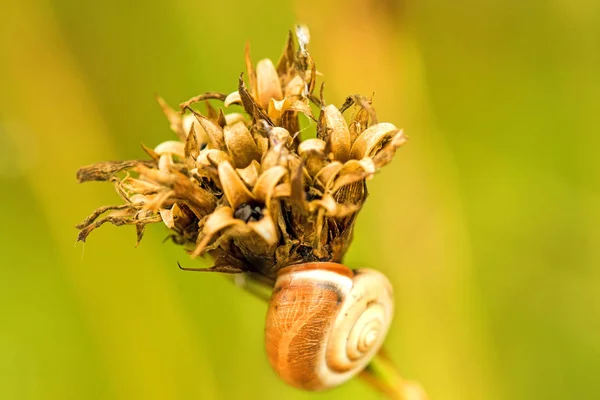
488 221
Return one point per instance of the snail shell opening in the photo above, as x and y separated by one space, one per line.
325 323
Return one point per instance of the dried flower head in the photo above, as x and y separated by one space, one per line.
244 187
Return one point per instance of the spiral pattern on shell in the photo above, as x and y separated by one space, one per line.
326 322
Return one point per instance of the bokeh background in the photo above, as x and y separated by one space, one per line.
488 221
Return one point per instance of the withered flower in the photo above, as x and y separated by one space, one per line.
245 188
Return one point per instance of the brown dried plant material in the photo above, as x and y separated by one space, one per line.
245 188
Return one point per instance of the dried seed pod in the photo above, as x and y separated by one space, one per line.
246 190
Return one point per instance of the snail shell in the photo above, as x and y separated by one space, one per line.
325 322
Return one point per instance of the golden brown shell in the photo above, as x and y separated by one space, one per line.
326 322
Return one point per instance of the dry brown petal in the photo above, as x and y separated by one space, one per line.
295 87
155 202
165 163
281 190
311 145
167 217
278 135
233 98
358 123
267 83
197 199
265 186
235 190
150 152
192 147
139 199
313 153
211 112
386 154
250 174
223 221
171 147
221 121
276 155
286 62
240 144
369 166
220 219
233 118
336 134
189 121
262 144
352 171
211 157
213 131
300 106
265 228
182 216
328 173
333 208
275 110
368 143
250 105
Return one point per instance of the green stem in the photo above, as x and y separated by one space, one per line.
383 375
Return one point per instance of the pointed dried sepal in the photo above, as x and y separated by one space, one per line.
234 118
336 134
385 155
232 98
190 122
286 61
327 174
211 157
167 217
333 208
214 131
192 147
250 105
235 190
265 228
240 144
250 174
352 172
221 219
313 153
295 87
268 180
368 143
267 83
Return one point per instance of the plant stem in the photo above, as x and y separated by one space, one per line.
383 375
